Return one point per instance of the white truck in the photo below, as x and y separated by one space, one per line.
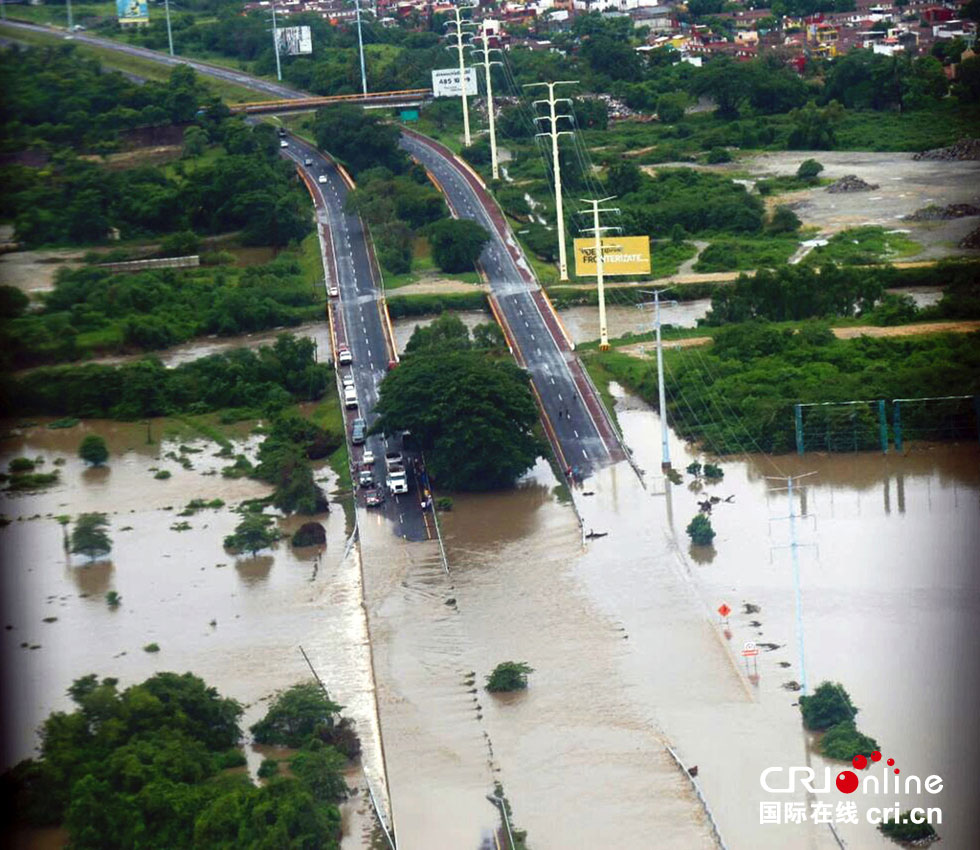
397 479
350 397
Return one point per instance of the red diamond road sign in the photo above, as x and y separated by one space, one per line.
724 610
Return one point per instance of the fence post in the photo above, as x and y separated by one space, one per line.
897 425
798 408
883 426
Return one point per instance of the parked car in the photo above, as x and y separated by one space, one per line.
368 457
358 431
347 380
350 398
343 355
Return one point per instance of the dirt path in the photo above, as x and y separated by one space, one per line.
647 350
436 286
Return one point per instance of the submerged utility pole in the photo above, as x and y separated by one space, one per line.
661 390
599 261
360 47
554 133
484 36
170 35
275 42
68 4
458 34
794 546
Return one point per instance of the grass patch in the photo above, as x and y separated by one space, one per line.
146 68
400 306
860 246
601 378
745 254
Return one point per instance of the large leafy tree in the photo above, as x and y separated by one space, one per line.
472 415
457 243
89 536
358 138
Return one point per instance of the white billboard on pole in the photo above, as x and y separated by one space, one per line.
294 40
445 82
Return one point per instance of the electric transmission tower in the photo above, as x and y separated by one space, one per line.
459 34
661 391
599 260
554 133
360 46
485 50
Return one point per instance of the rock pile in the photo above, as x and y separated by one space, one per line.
937 213
963 149
971 240
850 183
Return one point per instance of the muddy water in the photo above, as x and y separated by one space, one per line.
890 599
582 323
236 622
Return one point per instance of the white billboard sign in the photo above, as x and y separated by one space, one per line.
294 40
445 82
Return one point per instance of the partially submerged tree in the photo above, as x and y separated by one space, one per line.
89 536
827 706
94 450
700 531
509 676
253 533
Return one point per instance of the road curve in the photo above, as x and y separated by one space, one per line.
575 419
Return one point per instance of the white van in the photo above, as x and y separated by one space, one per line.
350 397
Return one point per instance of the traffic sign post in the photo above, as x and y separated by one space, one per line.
724 611
750 650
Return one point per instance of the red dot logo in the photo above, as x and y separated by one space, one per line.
876 756
847 782
859 762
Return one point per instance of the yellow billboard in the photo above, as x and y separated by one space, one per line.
620 255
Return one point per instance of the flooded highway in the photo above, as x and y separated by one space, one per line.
628 653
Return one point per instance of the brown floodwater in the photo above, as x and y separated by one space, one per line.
237 622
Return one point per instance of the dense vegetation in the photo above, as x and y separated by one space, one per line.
267 379
738 395
232 179
472 414
92 310
147 767
829 710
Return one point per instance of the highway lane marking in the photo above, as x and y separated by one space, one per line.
585 453
575 433
559 397
539 351
552 381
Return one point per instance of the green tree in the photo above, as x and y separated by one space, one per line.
457 244
726 82
180 244
13 302
296 715
93 450
89 536
784 220
623 177
827 706
472 415
195 141
843 741
253 533
670 107
446 333
359 138
813 128
700 531
321 769
509 676
809 170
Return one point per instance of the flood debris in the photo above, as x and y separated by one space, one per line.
934 212
964 149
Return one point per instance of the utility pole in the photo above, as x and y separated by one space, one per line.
661 391
458 34
275 41
360 47
553 117
69 15
600 262
170 35
485 50
794 546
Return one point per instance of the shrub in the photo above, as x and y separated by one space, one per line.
827 706
151 647
718 155
21 464
713 472
444 503
268 768
457 244
700 531
113 599
162 474
844 741
904 831
309 534
509 676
